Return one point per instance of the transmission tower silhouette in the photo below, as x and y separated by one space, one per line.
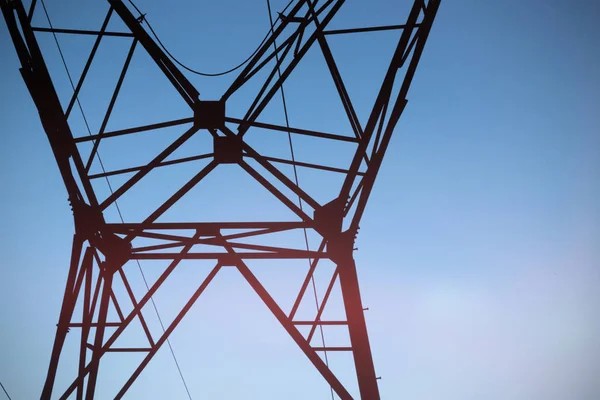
99 303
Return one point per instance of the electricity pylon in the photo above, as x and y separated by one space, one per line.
103 247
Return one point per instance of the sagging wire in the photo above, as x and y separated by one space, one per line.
194 71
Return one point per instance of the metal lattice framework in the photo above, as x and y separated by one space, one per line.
101 248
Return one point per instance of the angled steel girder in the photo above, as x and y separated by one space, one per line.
105 247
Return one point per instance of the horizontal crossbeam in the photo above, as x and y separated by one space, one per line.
369 29
290 254
82 32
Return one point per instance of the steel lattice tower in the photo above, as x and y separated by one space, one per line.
102 248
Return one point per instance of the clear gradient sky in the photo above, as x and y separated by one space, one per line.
479 253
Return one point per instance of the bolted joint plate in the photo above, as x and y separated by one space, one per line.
328 218
116 250
209 114
228 149
340 246
87 220
90 225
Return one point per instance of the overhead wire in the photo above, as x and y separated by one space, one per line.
5 392
111 191
287 123
194 71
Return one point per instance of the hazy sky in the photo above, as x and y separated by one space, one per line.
479 253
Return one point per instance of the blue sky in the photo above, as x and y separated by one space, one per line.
479 252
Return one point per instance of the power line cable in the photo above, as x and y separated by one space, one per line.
5 392
182 65
287 123
116 204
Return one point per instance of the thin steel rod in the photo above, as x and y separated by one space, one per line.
129 350
271 188
31 10
82 32
161 164
296 254
137 129
306 165
134 303
111 105
88 63
206 227
337 79
322 306
307 280
92 324
368 29
298 131
333 349
117 306
216 242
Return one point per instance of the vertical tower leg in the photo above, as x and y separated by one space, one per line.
86 317
71 291
107 276
359 339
